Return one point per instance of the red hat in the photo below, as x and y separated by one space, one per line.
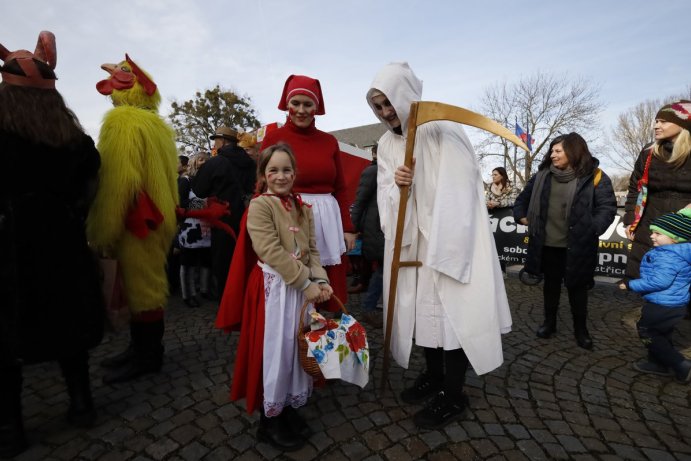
303 85
27 61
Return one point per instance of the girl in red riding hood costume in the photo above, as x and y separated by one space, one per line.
275 269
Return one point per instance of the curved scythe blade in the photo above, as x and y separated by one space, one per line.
430 111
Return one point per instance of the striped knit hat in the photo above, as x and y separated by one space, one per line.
678 112
676 226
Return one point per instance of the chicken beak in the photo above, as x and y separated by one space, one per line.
110 68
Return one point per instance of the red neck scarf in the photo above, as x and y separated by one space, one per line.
287 200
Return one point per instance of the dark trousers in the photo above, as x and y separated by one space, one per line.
554 269
448 367
374 289
655 329
222 247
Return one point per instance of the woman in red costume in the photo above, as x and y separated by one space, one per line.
320 179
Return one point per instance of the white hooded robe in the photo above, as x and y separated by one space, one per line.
457 298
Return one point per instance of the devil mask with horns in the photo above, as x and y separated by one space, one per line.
33 70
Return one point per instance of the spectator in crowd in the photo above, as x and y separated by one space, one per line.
500 193
183 161
665 279
51 304
566 205
365 217
229 176
194 238
661 179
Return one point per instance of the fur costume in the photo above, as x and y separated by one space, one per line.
139 162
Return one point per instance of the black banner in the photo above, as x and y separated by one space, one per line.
512 243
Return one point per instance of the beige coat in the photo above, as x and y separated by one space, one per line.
283 242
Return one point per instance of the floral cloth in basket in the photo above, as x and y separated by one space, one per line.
340 348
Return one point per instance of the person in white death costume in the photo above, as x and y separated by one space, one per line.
454 305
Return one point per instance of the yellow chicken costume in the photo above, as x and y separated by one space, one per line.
133 215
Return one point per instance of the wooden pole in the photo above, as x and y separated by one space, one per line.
396 263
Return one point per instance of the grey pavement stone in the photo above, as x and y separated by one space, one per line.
161 448
355 451
550 400
433 439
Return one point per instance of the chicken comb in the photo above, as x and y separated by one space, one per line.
148 84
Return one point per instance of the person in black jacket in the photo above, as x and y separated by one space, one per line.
567 205
364 214
51 303
669 178
230 176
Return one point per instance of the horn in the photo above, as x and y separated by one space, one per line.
4 52
46 50
146 82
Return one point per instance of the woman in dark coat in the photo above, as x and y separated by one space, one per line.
364 214
669 178
566 205
51 304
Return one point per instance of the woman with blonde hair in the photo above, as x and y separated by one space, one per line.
194 238
661 179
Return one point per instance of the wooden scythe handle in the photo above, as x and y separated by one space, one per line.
396 261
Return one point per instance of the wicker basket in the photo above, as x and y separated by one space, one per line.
309 364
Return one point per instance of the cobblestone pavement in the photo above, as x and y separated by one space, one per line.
550 400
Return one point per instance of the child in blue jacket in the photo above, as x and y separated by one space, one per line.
665 278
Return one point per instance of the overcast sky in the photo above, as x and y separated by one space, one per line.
633 49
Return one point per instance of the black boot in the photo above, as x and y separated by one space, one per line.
581 332
277 432
75 370
428 383
12 439
295 421
148 353
549 327
124 356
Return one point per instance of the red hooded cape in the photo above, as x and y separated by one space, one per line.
242 308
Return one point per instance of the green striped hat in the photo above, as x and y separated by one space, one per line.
676 226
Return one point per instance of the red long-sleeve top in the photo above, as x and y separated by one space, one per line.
318 159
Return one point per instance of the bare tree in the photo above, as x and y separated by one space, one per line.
544 105
620 182
634 129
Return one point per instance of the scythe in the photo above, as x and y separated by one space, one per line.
422 112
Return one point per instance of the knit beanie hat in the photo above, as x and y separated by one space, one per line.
678 112
676 226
